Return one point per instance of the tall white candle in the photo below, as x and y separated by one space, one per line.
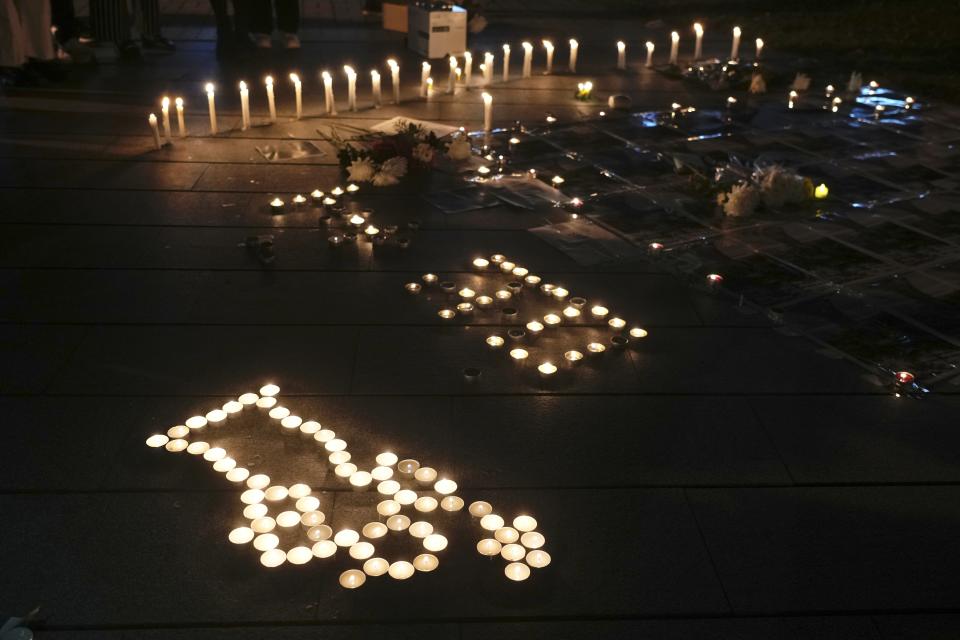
549 47
759 47
424 74
329 102
351 87
467 68
488 74
181 125
698 47
298 91
429 88
621 55
527 59
165 112
395 79
487 112
375 86
650 48
271 99
735 47
506 63
156 130
574 48
674 47
452 78
244 106
212 109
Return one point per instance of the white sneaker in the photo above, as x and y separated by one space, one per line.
291 41
261 40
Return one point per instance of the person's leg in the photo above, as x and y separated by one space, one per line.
62 15
12 53
35 23
224 27
109 20
260 16
288 21
149 23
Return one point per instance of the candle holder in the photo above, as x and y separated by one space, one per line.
430 278
519 356
495 342
618 342
465 308
509 313
276 206
412 287
514 287
596 349
516 334
484 302
573 357
448 287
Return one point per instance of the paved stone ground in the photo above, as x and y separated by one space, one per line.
723 480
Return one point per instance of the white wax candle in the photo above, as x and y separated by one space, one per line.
212 109
298 90
488 71
181 125
329 102
156 129
351 87
674 47
527 59
759 47
467 68
506 63
452 78
549 47
650 48
429 88
698 47
424 74
165 112
244 106
375 85
271 99
621 55
574 48
395 79
735 47
487 112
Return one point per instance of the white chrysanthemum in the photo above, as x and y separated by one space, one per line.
780 186
459 148
396 167
742 200
361 170
381 179
423 152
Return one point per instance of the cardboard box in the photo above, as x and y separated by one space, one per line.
395 16
437 34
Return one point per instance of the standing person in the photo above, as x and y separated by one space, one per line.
233 32
261 22
25 39
111 21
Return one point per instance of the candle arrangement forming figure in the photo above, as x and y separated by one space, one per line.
573 309
404 484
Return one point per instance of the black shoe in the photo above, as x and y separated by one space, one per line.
52 70
129 50
158 43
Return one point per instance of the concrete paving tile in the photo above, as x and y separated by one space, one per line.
918 626
34 355
832 548
33 172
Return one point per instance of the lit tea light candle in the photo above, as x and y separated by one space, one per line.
398 523
165 112
232 406
559 293
381 473
465 308
345 469
179 431
638 332
495 342
275 493
484 302
821 192
361 551
519 355
401 570
599 311
338 457
435 542
513 552
324 548
394 79
525 523
520 271
452 503
791 99
351 87
211 108
480 264
244 106
698 47
251 496
420 529
388 508
621 55
517 571
276 206
273 558
254 511
426 562
491 521
376 567
617 323
429 474
387 459
735 46
287 519
487 112
279 413
371 231
346 538
596 348
650 48
265 542
532 280
532 540
480 508
447 314
157 440
258 481
502 295
506 535
360 479
573 356
152 120
214 454
352 578
547 369
574 49
674 47
424 76
714 279
241 535
374 530
527 59
571 312
329 103
430 278
538 559
489 547
445 486
426 504
759 45
300 490
224 465
271 101
551 320
467 293
534 327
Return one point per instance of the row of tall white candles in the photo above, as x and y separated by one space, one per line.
458 76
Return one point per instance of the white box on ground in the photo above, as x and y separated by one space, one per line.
437 34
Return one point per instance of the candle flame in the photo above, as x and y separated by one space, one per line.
294 78
209 87
506 49
821 192
674 36
650 46
426 65
153 118
621 46
243 86
392 64
269 81
179 102
487 98
349 71
527 46
375 74
736 32
574 43
698 28
165 103
547 45
327 78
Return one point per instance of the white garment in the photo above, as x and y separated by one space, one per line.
24 32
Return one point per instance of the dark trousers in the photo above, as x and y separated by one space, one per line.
261 15
63 17
110 20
